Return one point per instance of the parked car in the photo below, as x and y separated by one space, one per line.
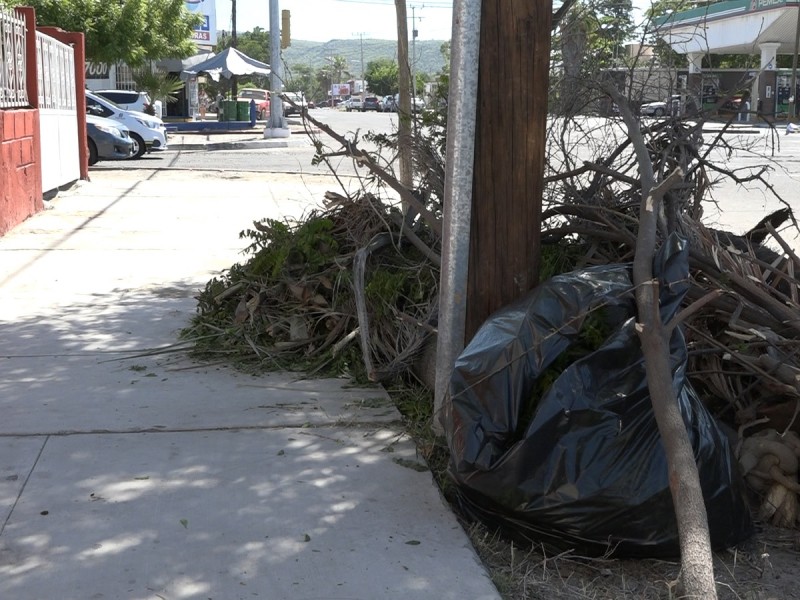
388 104
147 132
354 103
130 100
294 103
371 103
732 105
671 105
261 98
107 139
417 104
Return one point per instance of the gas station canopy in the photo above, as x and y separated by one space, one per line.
732 27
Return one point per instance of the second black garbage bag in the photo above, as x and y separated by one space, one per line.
580 465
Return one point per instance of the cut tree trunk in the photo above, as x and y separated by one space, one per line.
697 573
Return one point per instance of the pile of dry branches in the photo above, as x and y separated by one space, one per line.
744 341
348 289
354 288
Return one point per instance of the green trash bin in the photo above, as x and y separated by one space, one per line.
243 110
229 109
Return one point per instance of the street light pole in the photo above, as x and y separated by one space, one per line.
361 35
234 80
414 33
276 127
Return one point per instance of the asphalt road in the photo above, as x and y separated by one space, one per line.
731 205
297 158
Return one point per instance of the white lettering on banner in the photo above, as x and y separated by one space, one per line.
756 4
207 30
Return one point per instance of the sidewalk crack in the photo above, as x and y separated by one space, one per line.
24 485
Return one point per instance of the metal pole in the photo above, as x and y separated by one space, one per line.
457 213
234 80
276 118
793 89
413 55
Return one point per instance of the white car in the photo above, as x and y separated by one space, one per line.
671 105
147 132
417 104
388 104
129 100
299 100
354 103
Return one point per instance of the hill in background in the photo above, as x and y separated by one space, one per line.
428 53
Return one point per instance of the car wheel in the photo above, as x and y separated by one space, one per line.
659 112
92 153
139 147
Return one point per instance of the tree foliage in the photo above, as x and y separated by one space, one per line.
157 83
611 26
659 9
130 31
382 76
603 26
303 78
255 44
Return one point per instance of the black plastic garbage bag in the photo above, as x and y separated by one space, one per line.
588 472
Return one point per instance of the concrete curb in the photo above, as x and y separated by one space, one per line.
239 145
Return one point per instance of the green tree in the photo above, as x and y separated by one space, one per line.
611 28
325 77
130 31
659 11
157 84
383 76
255 44
304 78
339 68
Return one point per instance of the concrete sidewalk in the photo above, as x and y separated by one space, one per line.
250 138
127 474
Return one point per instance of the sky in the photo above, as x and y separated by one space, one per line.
324 20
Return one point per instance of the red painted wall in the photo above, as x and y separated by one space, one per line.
20 176
20 145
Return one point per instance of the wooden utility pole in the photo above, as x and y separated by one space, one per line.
509 161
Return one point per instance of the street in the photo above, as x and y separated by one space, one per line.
295 159
729 205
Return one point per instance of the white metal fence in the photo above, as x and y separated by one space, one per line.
58 112
56 73
12 60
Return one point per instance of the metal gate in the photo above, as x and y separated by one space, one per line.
57 112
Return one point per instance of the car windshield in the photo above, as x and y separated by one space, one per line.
107 101
257 94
